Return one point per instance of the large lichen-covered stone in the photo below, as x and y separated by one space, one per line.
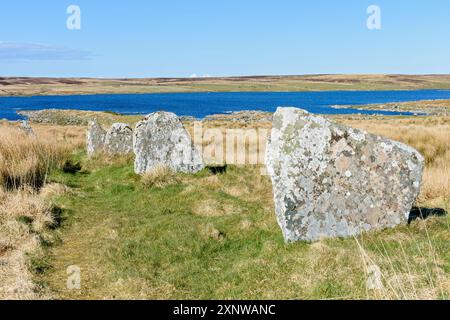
161 139
95 141
119 139
330 180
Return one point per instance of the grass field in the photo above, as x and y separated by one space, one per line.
63 86
173 236
215 236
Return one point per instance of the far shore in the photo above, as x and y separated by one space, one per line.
26 86
81 117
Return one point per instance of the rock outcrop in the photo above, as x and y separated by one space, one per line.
330 180
119 139
95 138
161 139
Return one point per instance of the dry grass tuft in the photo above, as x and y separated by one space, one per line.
211 207
207 208
53 189
399 276
26 160
24 217
159 177
209 231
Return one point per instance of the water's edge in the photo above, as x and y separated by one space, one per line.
200 105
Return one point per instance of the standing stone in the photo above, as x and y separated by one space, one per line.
26 128
161 139
95 138
119 139
330 180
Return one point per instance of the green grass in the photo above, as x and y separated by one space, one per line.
216 237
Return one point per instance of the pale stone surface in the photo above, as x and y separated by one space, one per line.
161 139
119 139
95 138
330 180
25 127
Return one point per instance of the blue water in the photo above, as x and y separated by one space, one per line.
200 105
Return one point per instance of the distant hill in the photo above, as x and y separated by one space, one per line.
20 86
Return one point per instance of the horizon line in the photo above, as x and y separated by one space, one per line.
229 76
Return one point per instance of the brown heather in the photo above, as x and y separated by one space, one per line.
26 160
26 215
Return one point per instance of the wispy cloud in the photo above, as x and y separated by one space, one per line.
26 51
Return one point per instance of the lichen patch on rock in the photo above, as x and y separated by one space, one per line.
330 180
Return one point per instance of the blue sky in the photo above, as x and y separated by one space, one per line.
175 38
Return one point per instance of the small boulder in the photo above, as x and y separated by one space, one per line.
26 128
119 139
161 139
330 180
95 138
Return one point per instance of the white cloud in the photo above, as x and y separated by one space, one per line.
194 75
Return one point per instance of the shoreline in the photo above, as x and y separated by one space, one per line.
82 117
423 107
434 107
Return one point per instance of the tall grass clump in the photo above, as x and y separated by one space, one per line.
25 219
160 176
25 160
26 215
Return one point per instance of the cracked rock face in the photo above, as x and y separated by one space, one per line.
119 139
161 139
95 138
330 180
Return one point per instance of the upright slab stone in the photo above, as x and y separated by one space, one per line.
26 128
330 180
119 139
95 141
161 139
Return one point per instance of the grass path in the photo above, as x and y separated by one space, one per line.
216 237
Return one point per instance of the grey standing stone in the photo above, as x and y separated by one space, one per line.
95 138
161 139
119 139
26 128
330 180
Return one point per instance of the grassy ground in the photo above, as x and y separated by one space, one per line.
215 236
63 86
204 235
